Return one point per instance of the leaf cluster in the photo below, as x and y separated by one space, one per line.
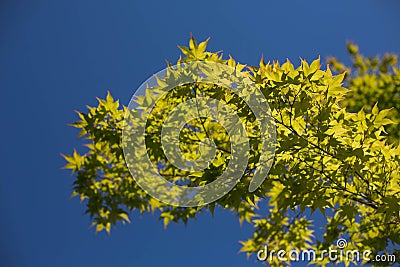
337 154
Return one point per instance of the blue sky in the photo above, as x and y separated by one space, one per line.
57 56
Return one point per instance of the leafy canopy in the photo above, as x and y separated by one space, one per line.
337 154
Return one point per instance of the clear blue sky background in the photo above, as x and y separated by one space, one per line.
57 56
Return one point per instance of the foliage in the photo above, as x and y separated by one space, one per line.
332 157
372 80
